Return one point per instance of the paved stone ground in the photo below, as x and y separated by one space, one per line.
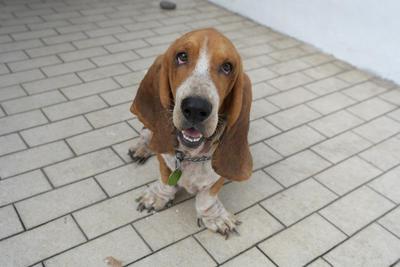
325 140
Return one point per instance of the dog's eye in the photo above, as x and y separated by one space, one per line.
182 58
226 68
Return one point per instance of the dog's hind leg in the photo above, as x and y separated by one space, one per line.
140 152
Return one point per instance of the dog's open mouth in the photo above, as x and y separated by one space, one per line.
191 137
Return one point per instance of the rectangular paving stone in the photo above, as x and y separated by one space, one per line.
181 221
341 147
256 50
297 167
128 177
120 95
152 51
130 78
289 66
11 92
294 140
82 167
48 25
261 108
22 186
262 90
252 257
162 39
55 131
314 233
50 205
298 201
263 155
253 218
261 74
9 222
89 88
33 102
83 53
392 96
238 196
261 129
101 138
129 248
176 255
12 56
373 246
76 107
103 72
64 38
110 115
330 103
291 98
114 58
293 117
11 143
33 158
20 77
356 209
347 175
326 86
388 184
109 214
33 63
371 108
128 45
93 42
49 50
335 123
290 81
55 237
289 53
378 129
354 76
140 64
105 31
257 62
51 83
68 67
384 155
323 71
391 221
15 46
364 90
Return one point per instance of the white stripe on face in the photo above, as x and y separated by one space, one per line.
198 83
202 66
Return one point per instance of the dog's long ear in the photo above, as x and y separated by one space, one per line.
232 158
151 105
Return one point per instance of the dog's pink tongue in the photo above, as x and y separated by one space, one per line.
192 132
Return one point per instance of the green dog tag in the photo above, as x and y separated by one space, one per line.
174 177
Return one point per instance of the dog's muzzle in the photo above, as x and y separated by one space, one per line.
195 110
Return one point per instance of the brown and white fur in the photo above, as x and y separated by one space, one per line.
158 105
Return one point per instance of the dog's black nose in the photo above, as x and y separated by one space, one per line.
196 109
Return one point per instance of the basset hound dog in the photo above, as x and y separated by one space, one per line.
194 103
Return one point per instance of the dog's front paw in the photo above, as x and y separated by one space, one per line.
224 223
140 153
156 197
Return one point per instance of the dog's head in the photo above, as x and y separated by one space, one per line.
199 81
202 69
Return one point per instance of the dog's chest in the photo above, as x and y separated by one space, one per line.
196 176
